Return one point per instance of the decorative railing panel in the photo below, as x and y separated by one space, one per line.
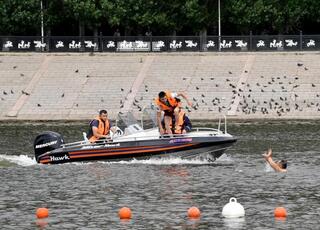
161 43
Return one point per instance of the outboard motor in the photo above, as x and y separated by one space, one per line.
47 141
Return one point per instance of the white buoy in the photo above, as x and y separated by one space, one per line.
233 209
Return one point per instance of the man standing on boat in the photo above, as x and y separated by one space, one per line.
167 103
99 127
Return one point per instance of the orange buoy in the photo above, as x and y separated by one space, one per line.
193 212
42 213
125 213
280 212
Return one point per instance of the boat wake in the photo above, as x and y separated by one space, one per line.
25 160
22 160
174 161
166 161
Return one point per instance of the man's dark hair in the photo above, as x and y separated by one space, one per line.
162 94
103 111
283 164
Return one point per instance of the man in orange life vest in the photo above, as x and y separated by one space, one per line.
99 127
183 125
167 103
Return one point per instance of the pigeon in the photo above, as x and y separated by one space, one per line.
87 76
230 72
23 92
197 88
76 71
5 93
313 85
12 92
62 95
299 64
184 78
14 67
21 74
212 79
122 89
305 68
38 105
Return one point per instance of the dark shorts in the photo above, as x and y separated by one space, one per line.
169 113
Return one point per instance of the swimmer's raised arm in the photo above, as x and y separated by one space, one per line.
277 166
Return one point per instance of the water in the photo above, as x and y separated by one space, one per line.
159 192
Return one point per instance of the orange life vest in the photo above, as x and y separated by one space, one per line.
103 128
172 103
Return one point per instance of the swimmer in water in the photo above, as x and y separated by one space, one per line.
278 166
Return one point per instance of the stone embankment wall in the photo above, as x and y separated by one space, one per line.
239 85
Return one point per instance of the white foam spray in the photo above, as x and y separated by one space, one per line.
22 160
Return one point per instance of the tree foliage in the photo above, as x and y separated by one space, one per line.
184 17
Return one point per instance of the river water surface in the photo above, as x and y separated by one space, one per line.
159 192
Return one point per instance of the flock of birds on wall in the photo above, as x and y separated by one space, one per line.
270 95
278 95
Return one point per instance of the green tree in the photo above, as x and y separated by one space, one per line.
20 17
86 12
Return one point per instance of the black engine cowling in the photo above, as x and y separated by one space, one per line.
47 141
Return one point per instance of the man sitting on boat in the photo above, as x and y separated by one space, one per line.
167 102
99 127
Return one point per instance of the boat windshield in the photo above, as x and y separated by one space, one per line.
148 119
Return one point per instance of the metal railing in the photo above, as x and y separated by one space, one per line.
161 43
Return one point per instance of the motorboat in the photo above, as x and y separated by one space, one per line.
132 139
